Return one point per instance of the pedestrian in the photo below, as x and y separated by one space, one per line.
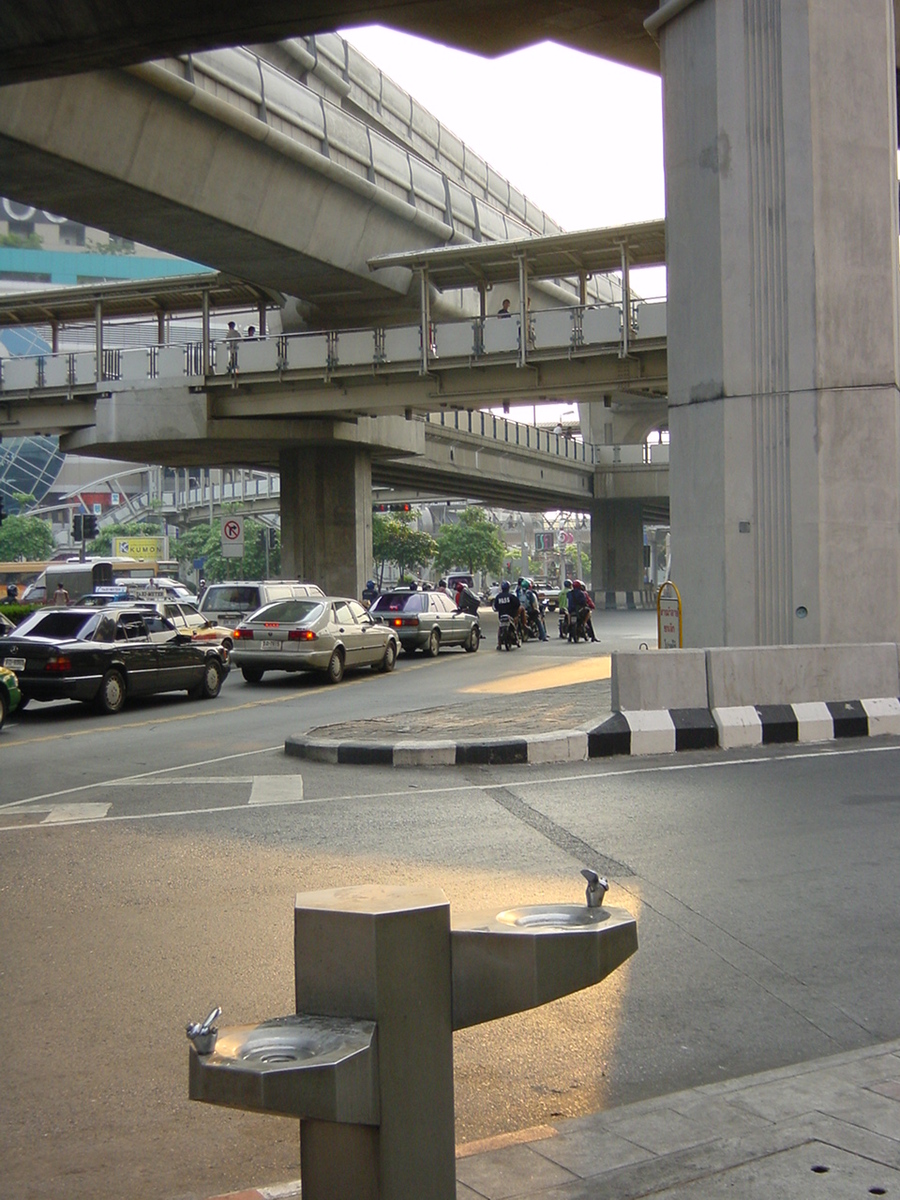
60 596
504 308
232 337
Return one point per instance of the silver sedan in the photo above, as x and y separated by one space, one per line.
330 634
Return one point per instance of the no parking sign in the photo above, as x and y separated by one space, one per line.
233 537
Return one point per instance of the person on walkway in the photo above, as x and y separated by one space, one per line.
232 337
504 309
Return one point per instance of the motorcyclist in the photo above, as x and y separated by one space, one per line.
506 603
533 609
562 604
580 605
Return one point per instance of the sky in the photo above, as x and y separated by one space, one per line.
580 136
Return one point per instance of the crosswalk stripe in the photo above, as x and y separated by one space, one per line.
276 789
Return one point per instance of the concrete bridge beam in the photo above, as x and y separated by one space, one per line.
617 546
326 517
784 407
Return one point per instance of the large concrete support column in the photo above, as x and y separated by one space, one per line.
617 546
781 183
326 516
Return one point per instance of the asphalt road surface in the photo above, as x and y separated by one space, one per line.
149 861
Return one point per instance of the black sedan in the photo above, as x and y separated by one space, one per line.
103 656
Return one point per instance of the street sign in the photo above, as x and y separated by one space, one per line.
668 617
145 549
233 537
566 537
543 541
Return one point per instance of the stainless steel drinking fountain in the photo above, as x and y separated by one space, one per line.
382 979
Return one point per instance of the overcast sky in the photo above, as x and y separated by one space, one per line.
581 137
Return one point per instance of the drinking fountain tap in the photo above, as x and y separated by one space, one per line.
596 888
203 1033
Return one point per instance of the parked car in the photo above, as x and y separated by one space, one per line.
426 621
228 603
106 655
328 633
10 696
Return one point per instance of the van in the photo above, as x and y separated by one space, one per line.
228 603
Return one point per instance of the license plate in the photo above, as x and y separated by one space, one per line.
271 645
14 664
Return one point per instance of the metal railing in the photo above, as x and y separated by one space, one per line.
559 333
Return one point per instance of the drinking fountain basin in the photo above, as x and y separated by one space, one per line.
508 961
297 1066
553 916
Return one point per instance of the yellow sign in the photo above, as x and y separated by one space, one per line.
145 549
668 617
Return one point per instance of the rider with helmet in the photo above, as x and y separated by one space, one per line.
533 609
506 603
580 605
562 605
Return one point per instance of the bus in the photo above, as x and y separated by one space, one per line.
81 578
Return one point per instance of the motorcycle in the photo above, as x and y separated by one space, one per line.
563 622
580 627
508 637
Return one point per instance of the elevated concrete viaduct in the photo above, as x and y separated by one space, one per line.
784 338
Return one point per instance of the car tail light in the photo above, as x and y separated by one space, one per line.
301 635
243 635
407 622
58 663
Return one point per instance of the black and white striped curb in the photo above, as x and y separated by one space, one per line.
662 731
626 601
567 745
658 731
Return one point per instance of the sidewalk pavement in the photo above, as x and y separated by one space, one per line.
822 1130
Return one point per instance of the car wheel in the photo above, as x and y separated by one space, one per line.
471 644
434 644
211 683
111 696
336 667
228 644
390 658
251 674
3 709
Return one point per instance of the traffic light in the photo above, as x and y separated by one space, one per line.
89 525
77 531
382 508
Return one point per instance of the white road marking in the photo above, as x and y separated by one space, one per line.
66 814
276 789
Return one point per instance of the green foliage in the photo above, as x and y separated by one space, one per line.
22 241
205 541
25 537
101 546
394 540
17 612
473 543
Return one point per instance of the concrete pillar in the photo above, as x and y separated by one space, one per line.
617 546
326 516
781 195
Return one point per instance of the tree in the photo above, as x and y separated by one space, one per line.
472 542
394 540
205 542
30 538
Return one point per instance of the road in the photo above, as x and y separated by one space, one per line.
148 864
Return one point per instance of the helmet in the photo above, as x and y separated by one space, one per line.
521 579
568 583
578 584
504 586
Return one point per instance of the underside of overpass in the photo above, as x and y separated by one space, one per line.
44 38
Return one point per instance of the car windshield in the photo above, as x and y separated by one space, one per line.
289 612
399 602
60 625
225 596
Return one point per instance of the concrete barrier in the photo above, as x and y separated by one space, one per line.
739 676
658 679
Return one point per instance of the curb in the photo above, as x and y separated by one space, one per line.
663 731
275 1191
567 745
